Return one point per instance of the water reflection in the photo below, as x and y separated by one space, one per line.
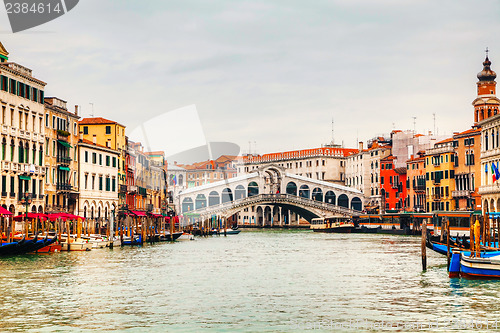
255 281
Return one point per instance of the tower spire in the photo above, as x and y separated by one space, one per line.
486 104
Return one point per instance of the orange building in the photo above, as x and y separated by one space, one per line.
210 171
415 182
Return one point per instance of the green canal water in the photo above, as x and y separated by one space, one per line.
275 281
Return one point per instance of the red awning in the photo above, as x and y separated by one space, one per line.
156 215
4 211
64 216
138 213
21 217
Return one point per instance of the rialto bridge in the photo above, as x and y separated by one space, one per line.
269 196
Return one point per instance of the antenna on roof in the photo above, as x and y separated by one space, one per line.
333 140
92 114
434 118
414 125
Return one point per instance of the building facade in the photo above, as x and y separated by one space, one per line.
467 170
22 136
393 185
440 176
110 134
61 157
98 179
415 183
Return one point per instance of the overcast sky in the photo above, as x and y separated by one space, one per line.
273 72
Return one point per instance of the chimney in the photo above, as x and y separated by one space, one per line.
175 162
81 135
360 145
76 110
94 139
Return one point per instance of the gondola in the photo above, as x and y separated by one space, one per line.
167 237
7 248
26 246
45 242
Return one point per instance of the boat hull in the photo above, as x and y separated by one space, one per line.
480 268
341 230
76 246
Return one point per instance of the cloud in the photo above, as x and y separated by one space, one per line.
274 72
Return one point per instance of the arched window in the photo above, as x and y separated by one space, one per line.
304 191
227 195
21 152
201 201
213 198
4 148
291 188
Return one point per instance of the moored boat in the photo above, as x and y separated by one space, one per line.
174 236
487 266
335 224
185 236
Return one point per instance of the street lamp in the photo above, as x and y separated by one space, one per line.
26 201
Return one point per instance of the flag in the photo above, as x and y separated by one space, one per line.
493 173
497 173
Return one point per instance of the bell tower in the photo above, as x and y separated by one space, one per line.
486 104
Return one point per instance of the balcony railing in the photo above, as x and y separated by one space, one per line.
63 187
419 188
63 159
132 189
123 188
461 194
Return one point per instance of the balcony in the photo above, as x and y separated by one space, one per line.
132 189
437 197
23 167
419 188
489 189
63 187
123 188
461 194
41 196
142 191
63 159
440 150
490 153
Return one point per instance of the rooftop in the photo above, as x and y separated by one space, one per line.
97 121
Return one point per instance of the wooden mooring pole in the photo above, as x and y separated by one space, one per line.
448 256
424 249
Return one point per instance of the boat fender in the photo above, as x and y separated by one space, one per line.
455 265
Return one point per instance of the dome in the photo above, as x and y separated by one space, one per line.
486 74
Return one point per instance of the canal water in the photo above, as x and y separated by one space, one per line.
274 281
